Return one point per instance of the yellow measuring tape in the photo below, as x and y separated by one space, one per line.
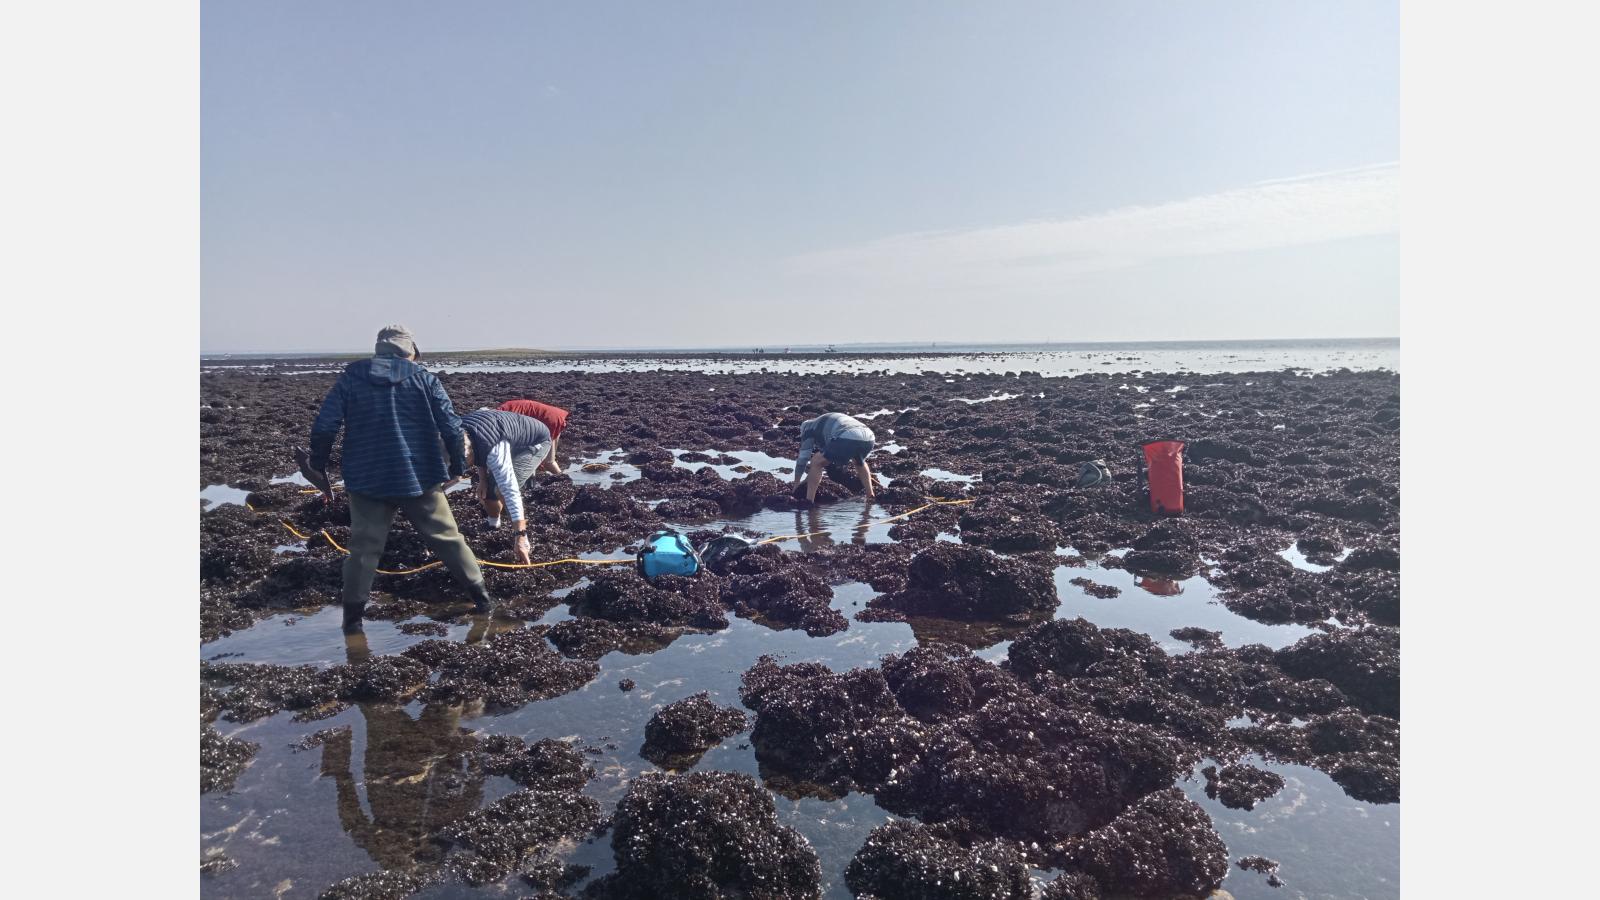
604 562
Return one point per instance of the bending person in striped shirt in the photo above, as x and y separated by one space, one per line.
841 440
506 450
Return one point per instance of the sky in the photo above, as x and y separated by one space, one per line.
506 173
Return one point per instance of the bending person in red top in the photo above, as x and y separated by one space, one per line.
553 417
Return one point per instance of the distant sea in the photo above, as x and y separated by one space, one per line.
1051 359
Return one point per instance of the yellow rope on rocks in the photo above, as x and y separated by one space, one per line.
601 562
482 562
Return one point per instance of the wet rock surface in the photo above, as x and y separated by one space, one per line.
1362 663
706 834
1095 589
909 861
1240 786
680 732
1163 846
385 885
1263 865
622 595
222 759
493 841
941 735
506 671
964 582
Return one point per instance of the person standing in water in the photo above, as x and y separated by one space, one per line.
506 450
841 440
398 428
553 417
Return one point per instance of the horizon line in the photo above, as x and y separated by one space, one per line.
734 348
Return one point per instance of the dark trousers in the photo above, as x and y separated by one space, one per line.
430 515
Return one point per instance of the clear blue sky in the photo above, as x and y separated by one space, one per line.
692 173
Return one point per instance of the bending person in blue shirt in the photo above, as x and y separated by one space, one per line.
398 427
841 440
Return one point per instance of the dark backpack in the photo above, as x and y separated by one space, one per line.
720 552
1094 473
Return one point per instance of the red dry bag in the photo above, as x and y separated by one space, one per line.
1163 462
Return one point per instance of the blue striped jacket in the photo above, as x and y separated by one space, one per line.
398 427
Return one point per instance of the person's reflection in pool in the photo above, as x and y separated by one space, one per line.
859 535
487 626
809 522
417 774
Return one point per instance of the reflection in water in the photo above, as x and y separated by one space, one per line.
819 534
1161 587
417 773
977 634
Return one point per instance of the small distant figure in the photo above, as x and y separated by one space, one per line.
398 428
505 450
553 417
842 440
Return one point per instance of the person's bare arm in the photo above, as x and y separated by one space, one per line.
866 480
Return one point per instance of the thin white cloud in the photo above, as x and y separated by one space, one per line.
1306 210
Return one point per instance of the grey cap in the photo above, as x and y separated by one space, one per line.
395 340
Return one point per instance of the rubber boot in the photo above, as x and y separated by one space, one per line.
352 617
481 601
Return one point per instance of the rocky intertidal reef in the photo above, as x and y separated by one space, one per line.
1058 754
1240 786
506 671
941 735
1162 846
706 834
763 585
222 759
621 595
1363 663
908 861
679 733
495 840
962 582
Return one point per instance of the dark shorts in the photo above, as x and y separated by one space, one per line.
843 450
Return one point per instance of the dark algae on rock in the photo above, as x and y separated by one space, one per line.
1162 846
680 732
1240 786
705 835
907 861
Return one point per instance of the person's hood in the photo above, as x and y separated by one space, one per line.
387 369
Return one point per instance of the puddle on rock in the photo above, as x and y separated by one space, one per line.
1155 606
845 522
749 461
1296 827
215 495
605 469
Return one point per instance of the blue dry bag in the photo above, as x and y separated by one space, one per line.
667 553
